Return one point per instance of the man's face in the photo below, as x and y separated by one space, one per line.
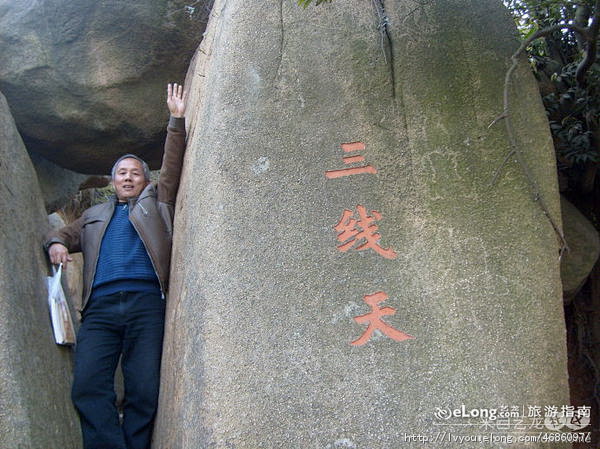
129 179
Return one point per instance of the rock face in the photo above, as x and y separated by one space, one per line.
86 79
57 184
584 248
36 410
73 274
283 258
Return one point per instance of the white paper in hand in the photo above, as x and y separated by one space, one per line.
62 324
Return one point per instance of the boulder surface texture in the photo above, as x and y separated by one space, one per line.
86 79
584 248
317 307
58 185
35 404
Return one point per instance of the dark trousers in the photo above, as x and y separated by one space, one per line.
131 324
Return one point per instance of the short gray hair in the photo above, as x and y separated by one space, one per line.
131 156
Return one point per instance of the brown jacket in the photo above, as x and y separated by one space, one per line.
151 214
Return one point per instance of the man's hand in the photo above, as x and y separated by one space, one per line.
175 99
59 254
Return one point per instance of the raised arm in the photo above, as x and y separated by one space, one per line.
170 170
176 100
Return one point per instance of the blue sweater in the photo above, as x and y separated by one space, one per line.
123 262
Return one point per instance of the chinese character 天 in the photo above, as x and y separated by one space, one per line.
375 322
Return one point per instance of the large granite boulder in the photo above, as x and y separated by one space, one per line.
319 299
86 79
35 404
584 249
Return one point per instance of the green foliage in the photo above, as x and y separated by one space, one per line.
573 110
534 15
305 3
543 13
573 113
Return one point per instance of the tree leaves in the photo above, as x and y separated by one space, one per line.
573 109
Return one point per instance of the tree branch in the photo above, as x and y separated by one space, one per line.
588 35
514 148
590 53
582 17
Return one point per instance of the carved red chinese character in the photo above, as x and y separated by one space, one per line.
351 231
350 147
375 322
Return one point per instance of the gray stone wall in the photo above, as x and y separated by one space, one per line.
264 303
35 405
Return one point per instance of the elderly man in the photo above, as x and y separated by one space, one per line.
126 244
